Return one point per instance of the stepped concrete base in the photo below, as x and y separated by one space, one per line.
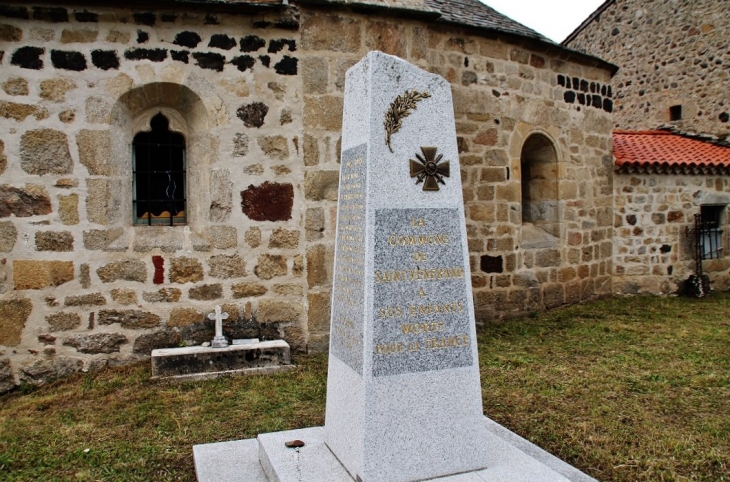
199 362
266 459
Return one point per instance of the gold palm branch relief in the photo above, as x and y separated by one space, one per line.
399 109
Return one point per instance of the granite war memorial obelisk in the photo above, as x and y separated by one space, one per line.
403 389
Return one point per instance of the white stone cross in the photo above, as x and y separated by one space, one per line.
219 341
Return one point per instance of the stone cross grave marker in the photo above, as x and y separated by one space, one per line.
219 341
403 389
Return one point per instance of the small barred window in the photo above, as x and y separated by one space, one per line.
159 175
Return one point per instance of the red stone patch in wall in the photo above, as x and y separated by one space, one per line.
159 263
270 201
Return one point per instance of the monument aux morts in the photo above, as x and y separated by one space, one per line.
403 387
403 392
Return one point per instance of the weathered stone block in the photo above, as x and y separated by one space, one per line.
223 237
54 241
97 343
253 115
144 344
276 147
288 289
7 380
28 58
37 275
95 151
80 35
3 158
319 259
185 317
165 238
493 174
278 311
10 33
547 257
323 112
68 209
248 290
84 276
165 295
317 33
129 318
240 145
14 314
91 299
45 151
296 337
388 37
101 238
15 85
553 295
100 206
284 238
30 200
19 112
253 237
318 316
185 270
221 193
314 75
314 224
55 89
127 270
321 185
63 321
227 266
270 266
8 236
206 292
311 150
268 202
124 296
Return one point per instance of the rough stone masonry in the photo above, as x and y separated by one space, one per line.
257 94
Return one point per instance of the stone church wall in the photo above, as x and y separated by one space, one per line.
654 253
670 53
258 98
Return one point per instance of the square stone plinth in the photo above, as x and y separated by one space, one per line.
199 362
510 458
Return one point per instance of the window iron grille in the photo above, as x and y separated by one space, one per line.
159 172
708 233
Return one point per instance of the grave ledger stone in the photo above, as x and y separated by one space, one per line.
403 389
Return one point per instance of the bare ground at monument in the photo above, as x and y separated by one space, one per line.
624 389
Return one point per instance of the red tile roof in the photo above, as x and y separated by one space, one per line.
665 152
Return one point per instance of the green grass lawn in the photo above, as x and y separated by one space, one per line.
627 389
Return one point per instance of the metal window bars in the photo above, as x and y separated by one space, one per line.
159 171
707 235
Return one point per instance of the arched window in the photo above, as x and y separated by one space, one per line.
158 172
539 168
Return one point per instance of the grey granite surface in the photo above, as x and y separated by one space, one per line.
414 410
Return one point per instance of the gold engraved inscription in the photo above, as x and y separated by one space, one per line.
432 332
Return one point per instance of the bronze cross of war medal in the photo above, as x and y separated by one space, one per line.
427 169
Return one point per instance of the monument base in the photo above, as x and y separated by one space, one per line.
267 459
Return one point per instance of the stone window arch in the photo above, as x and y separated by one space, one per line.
189 117
539 182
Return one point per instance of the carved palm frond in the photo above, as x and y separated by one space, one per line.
399 109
